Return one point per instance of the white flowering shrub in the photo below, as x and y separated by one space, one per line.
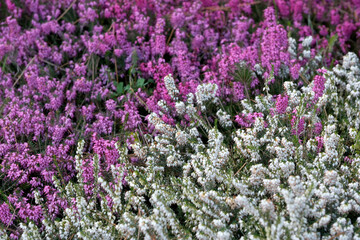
293 173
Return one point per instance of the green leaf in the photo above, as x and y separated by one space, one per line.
113 95
332 42
134 58
356 146
140 82
98 97
4 63
127 88
120 88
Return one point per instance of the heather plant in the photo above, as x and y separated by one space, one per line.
94 70
281 177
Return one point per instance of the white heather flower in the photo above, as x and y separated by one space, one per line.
218 200
296 185
331 141
223 235
190 98
247 105
160 125
162 105
205 92
287 168
258 173
344 208
349 60
139 150
318 58
271 185
330 177
306 53
181 137
249 208
218 223
258 69
248 144
267 206
342 228
180 108
190 110
171 87
171 160
260 103
324 221
194 132
224 118
307 41
292 47
154 119
37 197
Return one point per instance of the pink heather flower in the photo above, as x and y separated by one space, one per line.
244 5
5 215
242 121
344 32
106 150
158 43
109 201
283 8
319 10
247 121
323 30
82 85
335 17
319 85
269 15
88 112
282 103
168 120
177 18
320 141
299 128
274 44
130 116
11 6
211 38
297 9
317 128
348 159
240 30
103 124
197 42
238 91
294 71
110 105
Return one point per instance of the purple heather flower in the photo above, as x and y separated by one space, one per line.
317 128
274 44
6 217
319 85
282 103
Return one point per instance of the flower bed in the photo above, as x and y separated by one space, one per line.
179 119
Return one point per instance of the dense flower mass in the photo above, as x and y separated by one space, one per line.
158 119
